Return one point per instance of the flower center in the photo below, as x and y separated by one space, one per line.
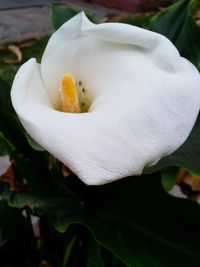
69 95
74 96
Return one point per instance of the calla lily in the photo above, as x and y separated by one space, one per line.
139 99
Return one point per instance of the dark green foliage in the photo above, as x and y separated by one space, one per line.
177 23
130 218
132 222
17 242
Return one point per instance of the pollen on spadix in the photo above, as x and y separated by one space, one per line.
69 95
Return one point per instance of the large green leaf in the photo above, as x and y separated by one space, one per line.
144 226
135 219
177 23
62 13
187 156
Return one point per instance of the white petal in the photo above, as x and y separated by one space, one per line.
60 50
78 47
145 99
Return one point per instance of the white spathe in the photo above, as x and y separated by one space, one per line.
144 99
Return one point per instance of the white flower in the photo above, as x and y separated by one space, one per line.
140 98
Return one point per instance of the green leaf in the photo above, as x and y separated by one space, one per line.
68 213
177 23
139 21
12 129
133 218
68 251
62 13
26 167
198 67
15 134
137 221
5 100
3 150
31 164
17 199
82 249
170 20
187 156
33 143
145 227
45 201
94 254
169 177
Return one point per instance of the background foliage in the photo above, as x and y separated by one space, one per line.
133 222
